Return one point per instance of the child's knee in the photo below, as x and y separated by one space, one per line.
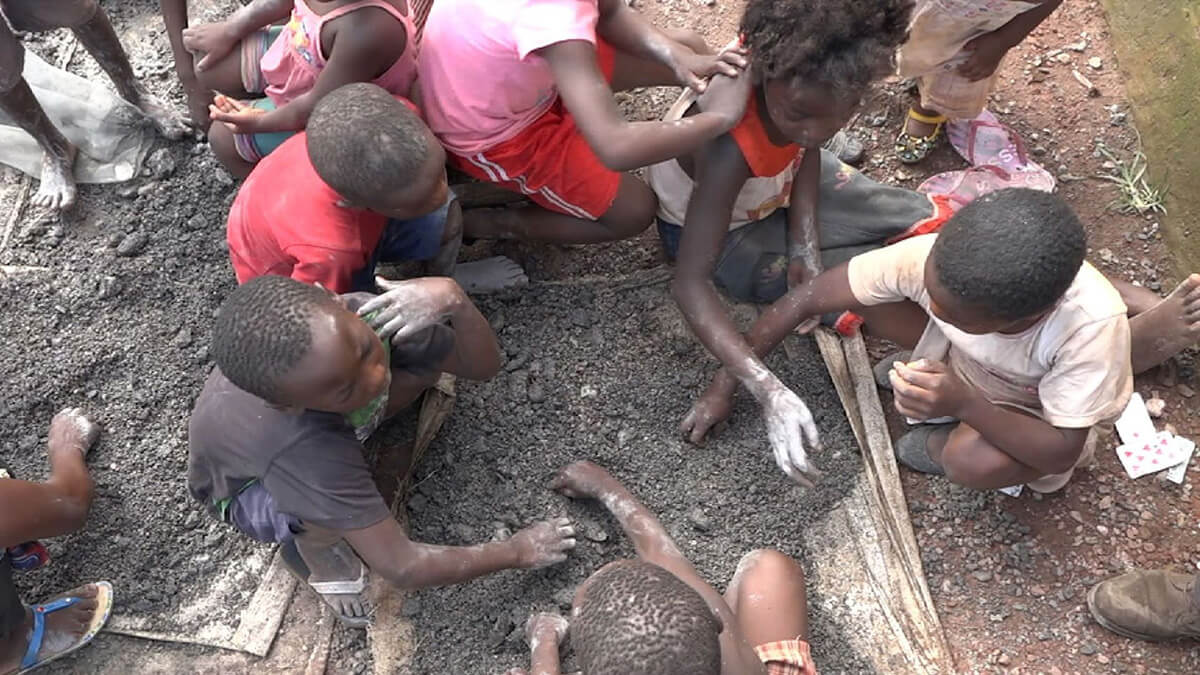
12 60
632 211
67 13
689 38
765 569
967 464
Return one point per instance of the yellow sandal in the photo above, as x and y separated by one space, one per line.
911 149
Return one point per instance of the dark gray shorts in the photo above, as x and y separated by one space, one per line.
255 514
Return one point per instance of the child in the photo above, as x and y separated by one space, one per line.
955 48
33 636
91 27
1017 340
657 616
365 183
520 93
276 435
732 195
295 65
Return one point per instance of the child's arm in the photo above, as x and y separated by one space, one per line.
59 505
630 32
388 551
827 292
988 49
410 306
650 539
545 634
175 18
804 241
719 177
370 44
215 40
622 145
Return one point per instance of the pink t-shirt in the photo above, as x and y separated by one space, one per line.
479 81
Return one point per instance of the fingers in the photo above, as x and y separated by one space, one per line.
696 84
735 57
564 528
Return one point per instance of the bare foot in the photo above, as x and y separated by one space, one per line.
169 123
1167 328
57 189
336 564
63 629
490 275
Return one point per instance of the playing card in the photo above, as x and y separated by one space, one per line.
1150 455
1175 473
1134 425
1012 490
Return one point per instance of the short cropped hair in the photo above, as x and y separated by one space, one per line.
639 619
1012 253
363 142
263 329
846 44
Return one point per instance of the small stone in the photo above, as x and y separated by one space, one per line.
196 222
183 338
107 287
536 393
417 503
1088 649
147 188
1078 46
699 519
132 244
1004 659
161 163
1037 591
1076 516
1100 658
500 630
1106 255
1062 57
595 533
1146 515
1106 502
411 608
901 174
1156 406
588 391
192 520
1185 391
564 598
982 575
212 539
1095 63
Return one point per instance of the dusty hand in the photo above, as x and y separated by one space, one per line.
582 480
545 543
198 102
692 69
926 389
213 40
545 626
239 117
712 408
789 426
409 307
985 53
71 429
727 96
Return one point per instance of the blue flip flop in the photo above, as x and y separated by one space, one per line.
104 603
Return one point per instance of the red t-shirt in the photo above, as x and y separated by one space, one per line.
287 221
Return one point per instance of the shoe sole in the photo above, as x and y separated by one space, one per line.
1120 630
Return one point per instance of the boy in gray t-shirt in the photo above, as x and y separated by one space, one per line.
275 445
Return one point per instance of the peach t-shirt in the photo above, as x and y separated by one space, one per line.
1072 368
480 82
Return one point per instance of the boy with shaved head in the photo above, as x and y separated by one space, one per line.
301 380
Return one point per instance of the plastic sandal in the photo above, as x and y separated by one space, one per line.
104 603
911 149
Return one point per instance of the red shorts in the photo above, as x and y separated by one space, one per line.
551 162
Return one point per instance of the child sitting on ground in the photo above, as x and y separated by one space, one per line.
657 616
324 45
954 49
366 183
276 434
33 636
1018 343
748 200
521 94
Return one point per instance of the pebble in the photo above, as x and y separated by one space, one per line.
699 519
132 244
1004 659
500 630
982 575
192 520
411 608
161 163
1088 649
564 598
147 188
1076 516
1185 391
183 338
536 393
1095 63
1156 406
1106 502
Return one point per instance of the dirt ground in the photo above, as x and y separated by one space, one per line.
127 336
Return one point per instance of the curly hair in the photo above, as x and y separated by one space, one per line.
846 45
1013 252
263 330
363 142
639 619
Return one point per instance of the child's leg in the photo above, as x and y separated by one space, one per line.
630 72
57 187
630 213
969 460
1161 327
63 629
767 595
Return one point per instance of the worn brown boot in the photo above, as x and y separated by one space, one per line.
1150 605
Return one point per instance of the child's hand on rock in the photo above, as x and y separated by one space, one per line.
72 430
544 626
545 543
582 480
789 427
213 40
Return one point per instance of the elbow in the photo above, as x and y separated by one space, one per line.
615 153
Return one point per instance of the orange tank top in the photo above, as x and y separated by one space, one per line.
764 158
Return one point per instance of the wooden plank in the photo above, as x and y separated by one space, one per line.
261 619
318 658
